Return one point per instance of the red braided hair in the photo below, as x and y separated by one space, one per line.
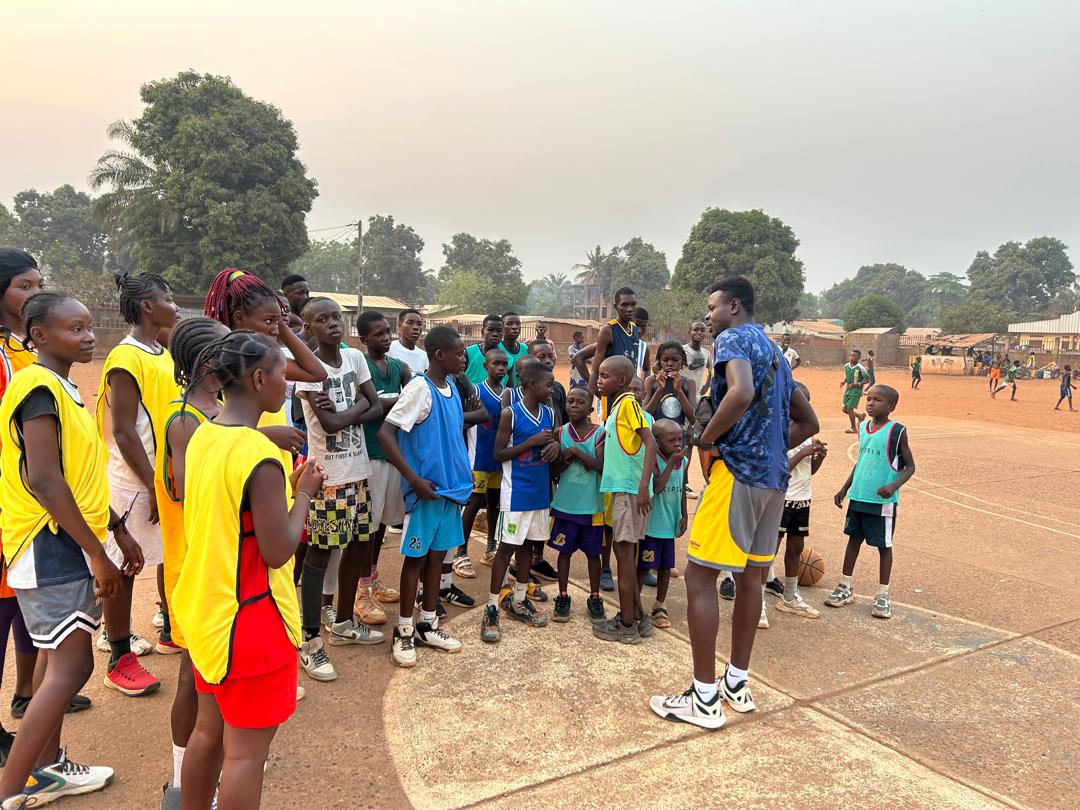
234 291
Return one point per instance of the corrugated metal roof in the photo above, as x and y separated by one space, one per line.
1065 325
370 301
964 341
922 331
874 330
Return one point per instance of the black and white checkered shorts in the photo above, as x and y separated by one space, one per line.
340 515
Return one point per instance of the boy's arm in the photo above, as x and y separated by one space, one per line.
387 437
504 451
660 481
906 472
644 497
794 459
740 393
838 498
682 520
603 340
374 410
803 421
819 457
331 420
578 361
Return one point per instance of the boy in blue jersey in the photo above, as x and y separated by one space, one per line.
667 519
577 511
422 439
487 472
884 465
524 445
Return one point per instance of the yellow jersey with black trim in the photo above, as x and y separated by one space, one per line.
170 508
153 375
219 465
82 462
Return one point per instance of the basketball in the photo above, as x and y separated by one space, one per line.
811 567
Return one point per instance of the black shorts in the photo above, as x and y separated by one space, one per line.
795 521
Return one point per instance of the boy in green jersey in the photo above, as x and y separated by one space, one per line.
855 379
884 465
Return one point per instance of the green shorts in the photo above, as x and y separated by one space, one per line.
852 397
872 522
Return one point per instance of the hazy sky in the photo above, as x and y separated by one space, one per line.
915 132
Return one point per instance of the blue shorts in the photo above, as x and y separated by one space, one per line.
569 535
431 526
656 553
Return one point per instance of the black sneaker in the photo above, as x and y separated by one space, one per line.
727 588
431 635
595 606
562 608
776 586
19 704
455 596
7 739
489 625
614 630
545 570
524 611
440 611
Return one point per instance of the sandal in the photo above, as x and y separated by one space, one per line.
463 567
660 618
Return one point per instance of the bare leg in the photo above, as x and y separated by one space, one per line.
411 569
745 616
594 573
355 563
117 611
884 565
185 707
703 619
563 565
203 758
433 571
851 555
242 769
663 577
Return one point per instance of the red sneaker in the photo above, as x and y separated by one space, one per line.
164 647
129 677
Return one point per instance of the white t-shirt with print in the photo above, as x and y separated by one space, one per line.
414 404
416 358
791 356
343 455
799 487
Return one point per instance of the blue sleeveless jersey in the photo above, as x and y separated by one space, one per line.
435 451
483 450
526 480
628 345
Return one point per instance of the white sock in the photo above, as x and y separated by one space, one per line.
520 591
882 590
177 763
772 572
446 580
405 621
493 599
734 675
426 616
845 580
706 691
791 589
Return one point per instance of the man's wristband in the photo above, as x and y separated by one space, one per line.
120 521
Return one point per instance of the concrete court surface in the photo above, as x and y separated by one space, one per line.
968 697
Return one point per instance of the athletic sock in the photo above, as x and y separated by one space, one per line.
427 616
791 589
882 590
705 691
734 676
520 591
845 580
119 648
493 600
445 581
772 573
405 621
177 763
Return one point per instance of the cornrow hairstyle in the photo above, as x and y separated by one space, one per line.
231 358
234 291
368 318
667 346
136 289
37 308
188 339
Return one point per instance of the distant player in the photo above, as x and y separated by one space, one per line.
916 372
1066 388
855 379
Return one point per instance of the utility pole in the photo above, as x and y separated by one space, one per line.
359 267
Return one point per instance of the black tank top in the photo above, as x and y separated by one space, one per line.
622 343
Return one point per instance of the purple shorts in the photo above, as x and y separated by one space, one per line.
656 553
569 535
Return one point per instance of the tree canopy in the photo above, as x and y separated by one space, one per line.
328 266
210 179
1023 278
491 262
551 295
745 243
639 266
894 281
873 311
391 258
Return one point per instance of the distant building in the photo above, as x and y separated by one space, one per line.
590 302
1054 335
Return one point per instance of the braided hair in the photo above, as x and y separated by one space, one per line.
230 358
187 342
234 291
38 308
136 289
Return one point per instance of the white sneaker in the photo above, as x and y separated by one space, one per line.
14 803
159 618
328 616
797 607
63 778
763 621
403 648
352 632
689 708
315 661
431 635
139 645
738 698
300 693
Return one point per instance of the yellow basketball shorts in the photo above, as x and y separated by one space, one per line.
736 524
483 481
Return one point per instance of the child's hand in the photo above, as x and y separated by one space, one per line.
541 439
107 582
838 498
550 452
133 556
707 455
151 500
644 501
682 526
424 489
660 378
320 400
284 437
311 478
473 404
887 491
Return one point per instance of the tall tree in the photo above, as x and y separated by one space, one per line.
875 311
808 305
551 295
1023 278
673 310
639 266
210 178
745 243
906 287
944 291
594 270
494 262
391 258
975 316
328 266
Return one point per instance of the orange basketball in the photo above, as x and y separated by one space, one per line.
811 567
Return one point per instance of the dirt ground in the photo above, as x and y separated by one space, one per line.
968 697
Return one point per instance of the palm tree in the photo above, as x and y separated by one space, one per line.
592 271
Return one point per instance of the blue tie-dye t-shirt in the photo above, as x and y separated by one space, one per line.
755 449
